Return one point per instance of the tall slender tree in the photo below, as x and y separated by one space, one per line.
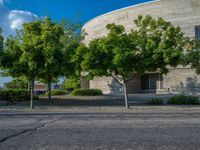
60 41
53 52
23 55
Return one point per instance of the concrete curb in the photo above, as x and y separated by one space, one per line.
133 109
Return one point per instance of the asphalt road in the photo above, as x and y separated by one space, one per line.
96 131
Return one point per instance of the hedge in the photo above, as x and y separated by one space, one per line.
87 92
15 95
183 100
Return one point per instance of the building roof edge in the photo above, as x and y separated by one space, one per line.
132 6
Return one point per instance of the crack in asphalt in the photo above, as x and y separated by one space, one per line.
29 130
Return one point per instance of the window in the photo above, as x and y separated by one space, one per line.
197 32
151 81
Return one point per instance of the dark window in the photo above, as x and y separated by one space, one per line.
197 32
151 81
153 78
145 82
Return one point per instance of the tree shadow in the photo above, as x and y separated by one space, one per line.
115 88
95 101
190 87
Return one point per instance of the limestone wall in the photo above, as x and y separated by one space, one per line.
182 81
183 13
107 85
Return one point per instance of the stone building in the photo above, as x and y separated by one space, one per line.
182 80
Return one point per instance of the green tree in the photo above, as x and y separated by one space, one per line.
1 46
42 50
71 83
23 55
73 47
1 41
60 41
72 44
192 56
153 45
17 83
53 52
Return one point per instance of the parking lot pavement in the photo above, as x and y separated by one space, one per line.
137 130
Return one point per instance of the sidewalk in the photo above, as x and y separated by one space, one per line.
107 109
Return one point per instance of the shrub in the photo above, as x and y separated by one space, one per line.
36 97
71 83
155 101
17 84
15 95
56 92
183 100
87 92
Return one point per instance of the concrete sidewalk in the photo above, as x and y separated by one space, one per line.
133 109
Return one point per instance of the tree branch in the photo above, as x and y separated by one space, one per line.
130 78
116 80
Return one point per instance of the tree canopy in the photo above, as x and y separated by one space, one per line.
42 50
52 50
1 40
18 83
23 54
46 50
153 45
192 56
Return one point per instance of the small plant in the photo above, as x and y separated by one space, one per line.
155 101
183 100
87 92
56 92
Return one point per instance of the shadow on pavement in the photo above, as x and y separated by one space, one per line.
97 101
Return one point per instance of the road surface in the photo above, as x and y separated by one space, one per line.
100 131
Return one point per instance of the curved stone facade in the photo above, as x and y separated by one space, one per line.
183 13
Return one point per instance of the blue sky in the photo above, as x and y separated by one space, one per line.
14 12
70 9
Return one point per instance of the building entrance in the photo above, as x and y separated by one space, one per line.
151 82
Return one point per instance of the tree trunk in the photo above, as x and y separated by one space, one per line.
125 96
49 91
28 85
32 94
